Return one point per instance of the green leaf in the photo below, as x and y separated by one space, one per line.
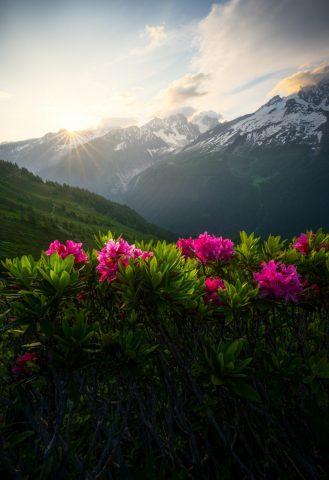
245 391
216 380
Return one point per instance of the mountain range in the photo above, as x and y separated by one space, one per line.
266 171
104 162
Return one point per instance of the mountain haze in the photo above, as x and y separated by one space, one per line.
104 162
40 153
106 165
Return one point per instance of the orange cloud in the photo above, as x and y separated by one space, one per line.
301 79
184 88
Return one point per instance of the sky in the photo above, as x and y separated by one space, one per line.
79 64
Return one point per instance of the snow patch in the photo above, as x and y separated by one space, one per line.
120 146
19 148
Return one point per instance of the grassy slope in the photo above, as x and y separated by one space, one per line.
33 213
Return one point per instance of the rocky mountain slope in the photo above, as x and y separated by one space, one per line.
106 165
39 153
267 171
104 162
297 119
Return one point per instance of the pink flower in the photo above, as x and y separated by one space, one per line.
277 280
207 248
142 254
187 246
21 368
212 285
27 357
80 297
210 248
75 249
302 244
114 253
71 248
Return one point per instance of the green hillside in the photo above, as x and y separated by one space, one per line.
33 213
278 189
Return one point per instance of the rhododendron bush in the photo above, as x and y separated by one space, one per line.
204 359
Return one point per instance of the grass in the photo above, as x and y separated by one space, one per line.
33 213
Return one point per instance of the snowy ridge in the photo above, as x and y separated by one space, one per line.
157 138
38 153
298 118
175 130
121 154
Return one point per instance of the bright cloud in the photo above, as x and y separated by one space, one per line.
230 60
244 47
303 78
156 34
184 88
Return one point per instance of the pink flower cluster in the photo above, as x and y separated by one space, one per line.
207 248
114 253
71 248
212 285
277 280
302 244
187 246
20 367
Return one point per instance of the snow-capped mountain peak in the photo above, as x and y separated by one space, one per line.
174 130
317 95
38 153
300 118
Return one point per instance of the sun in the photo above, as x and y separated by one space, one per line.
71 133
72 122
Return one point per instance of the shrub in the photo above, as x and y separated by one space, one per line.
163 361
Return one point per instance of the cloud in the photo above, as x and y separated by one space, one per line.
244 47
156 34
206 120
184 89
4 95
233 57
186 110
303 78
208 113
116 122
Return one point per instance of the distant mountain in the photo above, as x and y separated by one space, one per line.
103 162
34 213
300 119
39 153
175 131
106 164
267 171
